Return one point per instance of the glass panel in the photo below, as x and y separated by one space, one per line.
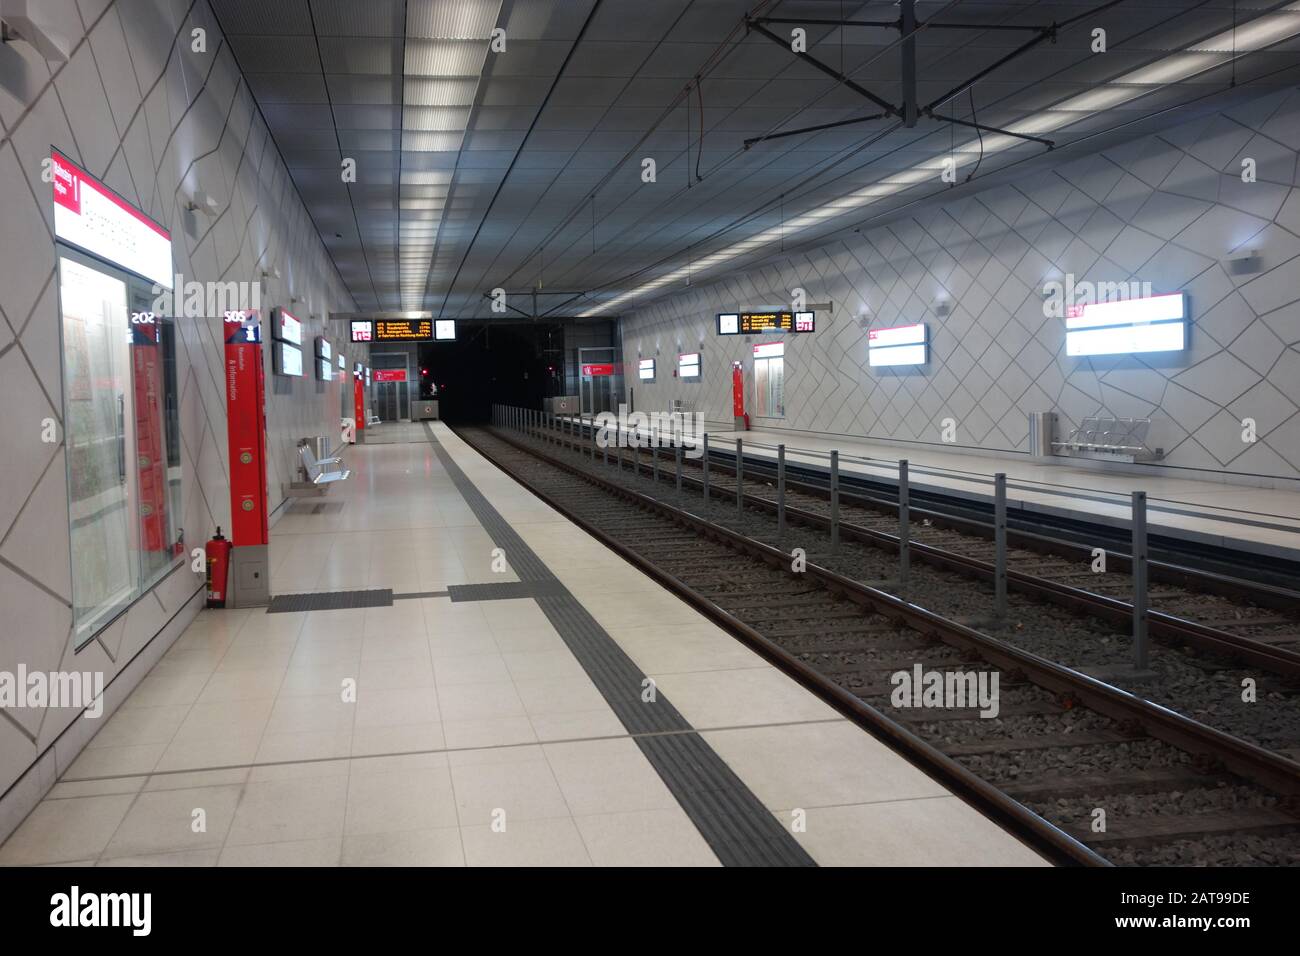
97 428
769 381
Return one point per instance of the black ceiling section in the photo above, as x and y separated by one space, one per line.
465 182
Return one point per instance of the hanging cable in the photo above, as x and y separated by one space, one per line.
688 137
699 93
975 119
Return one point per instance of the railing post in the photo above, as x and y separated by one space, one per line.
1000 543
740 476
780 489
654 458
835 500
704 469
904 518
678 450
1140 579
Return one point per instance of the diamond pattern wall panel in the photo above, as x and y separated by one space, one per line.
139 108
1168 209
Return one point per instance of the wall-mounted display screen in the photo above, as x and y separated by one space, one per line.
323 348
343 363
93 218
756 323
901 345
444 330
287 328
646 370
288 359
392 330
1154 324
324 369
688 365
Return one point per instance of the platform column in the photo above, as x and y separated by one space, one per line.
904 518
1140 579
780 489
740 476
1000 544
704 469
835 500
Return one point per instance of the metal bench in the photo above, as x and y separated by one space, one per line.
314 470
1109 437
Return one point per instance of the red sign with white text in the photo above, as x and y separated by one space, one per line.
389 375
603 368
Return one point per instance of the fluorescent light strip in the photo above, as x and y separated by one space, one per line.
1250 37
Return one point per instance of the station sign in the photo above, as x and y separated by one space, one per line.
390 375
764 350
598 369
393 330
90 216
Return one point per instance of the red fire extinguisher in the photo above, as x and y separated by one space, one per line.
218 561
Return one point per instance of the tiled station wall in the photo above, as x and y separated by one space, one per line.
1167 208
154 120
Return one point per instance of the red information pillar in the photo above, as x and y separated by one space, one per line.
246 426
150 452
359 400
738 395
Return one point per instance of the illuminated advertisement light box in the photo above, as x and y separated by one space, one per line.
343 363
897 355
392 330
90 216
688 365
367 376
646 370
324 370
323 348
901 345
728 323
769 350
805 322
1154 324
287 328
288 359
444 330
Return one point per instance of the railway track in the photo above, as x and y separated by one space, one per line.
1083 771
1255 624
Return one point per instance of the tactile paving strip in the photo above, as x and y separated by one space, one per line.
732 820
330 600
503 591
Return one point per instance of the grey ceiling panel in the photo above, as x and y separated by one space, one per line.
276 54
462 20
271 88
358 18
360 55
267 19
363 89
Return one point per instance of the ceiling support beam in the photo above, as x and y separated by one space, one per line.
813 129
889 108
908 26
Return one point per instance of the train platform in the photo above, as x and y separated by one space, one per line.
1257 520
455 674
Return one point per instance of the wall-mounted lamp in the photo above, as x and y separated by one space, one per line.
23 20
199 201
271 272
1245 263
942 307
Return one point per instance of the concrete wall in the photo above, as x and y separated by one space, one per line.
138 109
1165 209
